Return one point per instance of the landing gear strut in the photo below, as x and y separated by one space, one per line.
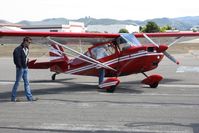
109 84
54 76
152 80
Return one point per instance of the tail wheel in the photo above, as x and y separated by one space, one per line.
154 85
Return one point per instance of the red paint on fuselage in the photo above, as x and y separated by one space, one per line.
130 61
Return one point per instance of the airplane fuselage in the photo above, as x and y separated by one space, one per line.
130 61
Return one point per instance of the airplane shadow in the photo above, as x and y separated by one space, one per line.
170 80
64 80
133 87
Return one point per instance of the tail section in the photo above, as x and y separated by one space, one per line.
58 60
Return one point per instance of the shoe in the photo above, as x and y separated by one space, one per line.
16 99
13 100
33 99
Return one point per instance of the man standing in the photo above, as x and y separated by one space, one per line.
20 57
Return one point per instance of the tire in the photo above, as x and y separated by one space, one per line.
53 76
111 89
154 85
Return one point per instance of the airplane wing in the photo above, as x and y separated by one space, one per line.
168 34
84 38
10 37
167 38
61 39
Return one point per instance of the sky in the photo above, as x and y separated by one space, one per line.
37 10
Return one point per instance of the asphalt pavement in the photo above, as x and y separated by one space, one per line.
73 103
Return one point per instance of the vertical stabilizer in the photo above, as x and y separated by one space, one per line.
58 58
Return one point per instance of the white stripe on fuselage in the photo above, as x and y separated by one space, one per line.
116 60
108 84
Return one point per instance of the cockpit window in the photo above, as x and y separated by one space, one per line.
102 51
125 41
131 39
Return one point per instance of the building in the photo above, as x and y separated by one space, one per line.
10 27
195 28
113 28
70 27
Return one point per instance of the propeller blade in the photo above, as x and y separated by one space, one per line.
175 41
171 57
165 53
150 40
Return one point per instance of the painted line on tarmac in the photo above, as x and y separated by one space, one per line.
185 69
115 128
128 128
49 83
57 83
179 85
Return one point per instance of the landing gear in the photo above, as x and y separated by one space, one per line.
154 85
54 76
109 84
152 80
110 89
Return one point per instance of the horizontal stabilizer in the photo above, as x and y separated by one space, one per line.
39 65
43 65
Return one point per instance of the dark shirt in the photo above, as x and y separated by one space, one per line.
19 57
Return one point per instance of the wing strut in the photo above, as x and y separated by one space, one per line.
89 58
179 38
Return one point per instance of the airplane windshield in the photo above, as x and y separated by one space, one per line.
131 39
126 41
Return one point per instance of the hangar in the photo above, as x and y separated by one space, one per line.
114 28
70 27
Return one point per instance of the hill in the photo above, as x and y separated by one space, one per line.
181 23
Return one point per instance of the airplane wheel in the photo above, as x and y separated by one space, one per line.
53 76
154 85
111 89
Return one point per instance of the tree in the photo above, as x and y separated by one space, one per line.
123 31
166 27
151 27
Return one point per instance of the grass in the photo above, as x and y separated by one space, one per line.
6 50
42 50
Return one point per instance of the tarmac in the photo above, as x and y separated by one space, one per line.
73 103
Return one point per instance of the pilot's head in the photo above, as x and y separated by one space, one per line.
26 41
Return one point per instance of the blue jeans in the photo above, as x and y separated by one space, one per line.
21 73
101 75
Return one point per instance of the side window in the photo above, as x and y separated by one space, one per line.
110 49
124 46
103 51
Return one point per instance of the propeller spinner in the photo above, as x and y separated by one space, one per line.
163 48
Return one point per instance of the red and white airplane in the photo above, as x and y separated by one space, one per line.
108 56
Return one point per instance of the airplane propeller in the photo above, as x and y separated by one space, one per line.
169 56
